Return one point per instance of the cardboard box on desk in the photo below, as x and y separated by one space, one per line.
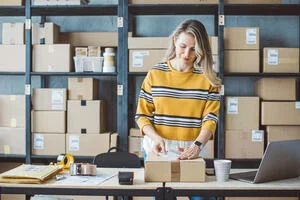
142 60
276 88
48 122
12 141
280 113
52 58
135 145
86 116
281 60
161 169
49 99
244 144
13 33
242 113
12 58
241 61
12 111
87 144
280 133
48 144
241 38
82 88
49 33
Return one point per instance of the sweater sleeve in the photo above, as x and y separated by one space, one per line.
211 110
145 107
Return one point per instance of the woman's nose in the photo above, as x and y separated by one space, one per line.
186 53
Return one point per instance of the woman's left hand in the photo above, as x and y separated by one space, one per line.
189 153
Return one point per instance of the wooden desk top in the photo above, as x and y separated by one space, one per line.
212 184
139 182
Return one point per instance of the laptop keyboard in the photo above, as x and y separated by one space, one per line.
244 176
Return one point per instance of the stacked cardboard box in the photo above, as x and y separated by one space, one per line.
12 50
243 139
49 121
280 111
145 52
241 49
135 142
85 119
12 124
48 56
281 60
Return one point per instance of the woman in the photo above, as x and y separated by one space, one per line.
179 100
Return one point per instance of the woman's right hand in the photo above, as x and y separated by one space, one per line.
159 147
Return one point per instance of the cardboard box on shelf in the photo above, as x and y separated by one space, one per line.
241 61
48 144
12 141
13 33
261 198
12 111
11 2
51 58
49 99
253 1
241 38
103 39
47 32
113 139
48 122
86 116
281 60
12 58
148 42
276 88
208 150
241 113
80 144
174 170
279 133
135 132
213 40
280 113
135 145
82 88
244 144
143 59
13 197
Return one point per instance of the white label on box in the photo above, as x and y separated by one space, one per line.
13 122
57 99
137 58
38 141
297 104
273 57
251 36
233 106
257 135
73 143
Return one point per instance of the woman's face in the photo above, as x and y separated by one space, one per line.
185 50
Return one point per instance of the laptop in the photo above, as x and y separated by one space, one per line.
281 160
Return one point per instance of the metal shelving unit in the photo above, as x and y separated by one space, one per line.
123 11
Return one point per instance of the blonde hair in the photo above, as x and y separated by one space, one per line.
202 48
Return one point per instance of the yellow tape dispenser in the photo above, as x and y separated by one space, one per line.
65 160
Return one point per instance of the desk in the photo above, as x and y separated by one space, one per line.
233 188
109 187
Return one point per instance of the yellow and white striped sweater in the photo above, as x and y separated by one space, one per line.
177 104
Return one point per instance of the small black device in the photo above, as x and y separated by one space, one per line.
126 178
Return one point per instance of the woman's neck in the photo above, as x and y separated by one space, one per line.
179 68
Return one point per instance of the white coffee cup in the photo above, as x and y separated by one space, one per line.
222 170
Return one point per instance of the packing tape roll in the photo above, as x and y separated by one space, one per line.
83 169
65 160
